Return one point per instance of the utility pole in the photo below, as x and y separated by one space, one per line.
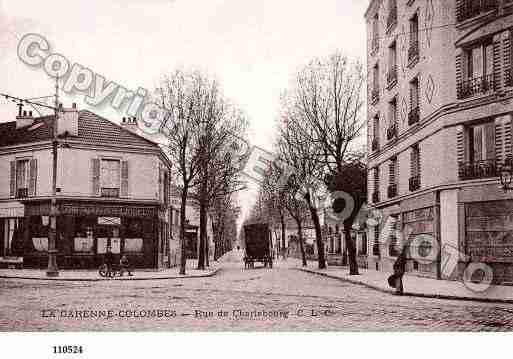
52 270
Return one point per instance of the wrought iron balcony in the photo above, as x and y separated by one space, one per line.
375 95
414 183
476 86
110 192
392 18
375 249
392 76
413 52
375 197
509 77
392 190
479 169
392 132
375 145
22 193
414 116
374 44
471 8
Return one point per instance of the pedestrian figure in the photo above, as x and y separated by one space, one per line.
124 265
109 261
399 269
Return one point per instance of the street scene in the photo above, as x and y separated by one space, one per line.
293 300
226 170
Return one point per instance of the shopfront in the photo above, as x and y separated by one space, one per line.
11 218
86 229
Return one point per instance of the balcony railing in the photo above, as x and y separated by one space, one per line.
479 169
375 197
413 51
392 132
375 249
392 18
414 116
110 192
476 86
375 95
414 183
375 145
374 44
392 76
509 77
392 190
22 193
470 8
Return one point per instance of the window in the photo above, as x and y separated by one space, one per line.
375 133
413 50
392 172
375 245
392 65
375 195
481 151
375 84
392 14
110 177
415 168
22 178
478 71
414 114
469 8
392 115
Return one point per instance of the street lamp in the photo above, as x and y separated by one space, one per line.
506 176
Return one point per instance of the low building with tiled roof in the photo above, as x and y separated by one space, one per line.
113 189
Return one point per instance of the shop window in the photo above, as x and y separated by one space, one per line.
83 239
134 232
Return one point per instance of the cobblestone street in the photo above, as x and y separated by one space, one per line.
286 299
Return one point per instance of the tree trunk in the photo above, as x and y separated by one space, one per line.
207 252
183 254
318 233
301 242
351 251
203 236
283 234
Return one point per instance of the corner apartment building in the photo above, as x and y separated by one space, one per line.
113 189
440 107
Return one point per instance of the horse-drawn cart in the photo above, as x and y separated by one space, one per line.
257 245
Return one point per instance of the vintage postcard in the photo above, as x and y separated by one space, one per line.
255 166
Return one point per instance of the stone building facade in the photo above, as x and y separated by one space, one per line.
440 106
112 191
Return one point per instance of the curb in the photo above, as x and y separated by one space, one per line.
210 274
410 294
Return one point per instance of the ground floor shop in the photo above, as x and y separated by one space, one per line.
85 230
447 231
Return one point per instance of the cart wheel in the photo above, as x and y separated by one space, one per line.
103 270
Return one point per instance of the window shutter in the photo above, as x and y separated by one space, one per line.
124 178
490 140
33 177
502 138
460 146
95 169
459 74
13 179
496 65
507 52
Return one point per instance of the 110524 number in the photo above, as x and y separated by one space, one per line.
67 349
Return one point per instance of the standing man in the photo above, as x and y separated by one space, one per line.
399 269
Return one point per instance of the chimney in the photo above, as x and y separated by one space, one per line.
24 119
67 123
130 123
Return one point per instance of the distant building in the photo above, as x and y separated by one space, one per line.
440 107
112 190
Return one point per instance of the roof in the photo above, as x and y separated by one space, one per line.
92 129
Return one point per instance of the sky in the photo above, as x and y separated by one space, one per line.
252 47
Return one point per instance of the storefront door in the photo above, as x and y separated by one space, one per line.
108 236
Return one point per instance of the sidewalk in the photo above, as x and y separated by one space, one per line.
93 276
415 286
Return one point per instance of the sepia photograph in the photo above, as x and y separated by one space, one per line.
242 166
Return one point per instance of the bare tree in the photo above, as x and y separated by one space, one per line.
185 95
325 106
